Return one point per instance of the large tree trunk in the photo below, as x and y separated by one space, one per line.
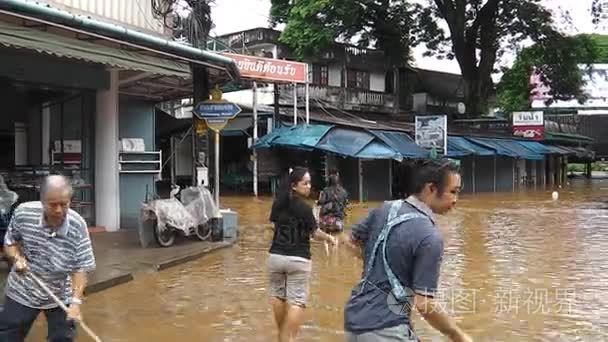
476 70
477 93
473 98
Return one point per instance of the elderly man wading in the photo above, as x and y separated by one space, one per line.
51 240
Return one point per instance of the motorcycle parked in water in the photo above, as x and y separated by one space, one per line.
189 215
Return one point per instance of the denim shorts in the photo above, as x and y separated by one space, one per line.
289 278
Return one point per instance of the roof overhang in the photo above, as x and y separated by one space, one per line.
142 83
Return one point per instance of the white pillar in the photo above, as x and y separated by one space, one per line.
513 168
360 173
307 97
494 188
295 104
217 168
533 171
473 174
255 138
107 185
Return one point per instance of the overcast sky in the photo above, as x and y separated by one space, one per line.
237 15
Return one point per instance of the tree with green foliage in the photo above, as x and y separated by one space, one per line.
557 62
601 45
479 32
312 26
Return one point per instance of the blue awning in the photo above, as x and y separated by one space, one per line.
506 147
533 146
401 143
557 149
461 147
343 141
356 144
304 137
378 150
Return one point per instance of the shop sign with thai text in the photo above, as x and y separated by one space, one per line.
269 69
530 125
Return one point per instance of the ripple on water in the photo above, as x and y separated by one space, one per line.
517 267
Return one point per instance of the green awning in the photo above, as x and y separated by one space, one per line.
567 138
60 46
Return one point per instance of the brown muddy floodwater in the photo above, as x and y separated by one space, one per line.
517 267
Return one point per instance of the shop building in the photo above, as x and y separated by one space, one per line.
80 89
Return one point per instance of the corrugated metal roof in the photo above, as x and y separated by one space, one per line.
53 44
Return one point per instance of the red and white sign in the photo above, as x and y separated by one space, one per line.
270 69
529 132
530 125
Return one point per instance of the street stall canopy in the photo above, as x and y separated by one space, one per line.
357 144
539 148
304 137
377 150
401 143
557 149
461 147
506 147
343 141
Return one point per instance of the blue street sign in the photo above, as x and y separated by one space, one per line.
216 110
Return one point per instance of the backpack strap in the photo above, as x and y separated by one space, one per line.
397 288
392 221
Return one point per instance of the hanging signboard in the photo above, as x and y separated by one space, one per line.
529 125
269 69
216 112
432 132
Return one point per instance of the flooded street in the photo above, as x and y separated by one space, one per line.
517 267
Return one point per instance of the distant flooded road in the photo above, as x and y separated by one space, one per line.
517 267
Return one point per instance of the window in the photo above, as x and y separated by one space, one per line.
357 79
320 75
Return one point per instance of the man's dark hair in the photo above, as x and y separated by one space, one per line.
434 171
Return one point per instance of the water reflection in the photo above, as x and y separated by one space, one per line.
517 267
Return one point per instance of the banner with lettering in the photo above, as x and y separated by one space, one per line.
432 132
530 125
269 69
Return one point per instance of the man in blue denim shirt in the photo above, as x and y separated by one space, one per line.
405 235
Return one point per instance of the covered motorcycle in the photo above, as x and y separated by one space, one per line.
189 215
8 200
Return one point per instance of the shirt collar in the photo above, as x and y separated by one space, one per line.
62 230
421 206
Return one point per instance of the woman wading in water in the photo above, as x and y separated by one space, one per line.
289 262
332 205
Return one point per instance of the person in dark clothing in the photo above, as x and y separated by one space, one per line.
402 250
289 262
332 205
